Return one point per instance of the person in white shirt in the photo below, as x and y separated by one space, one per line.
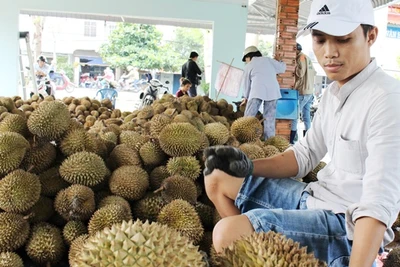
42 68
345 217
261 86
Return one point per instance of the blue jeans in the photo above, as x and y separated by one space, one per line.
279 205
193 90
304 105
269 114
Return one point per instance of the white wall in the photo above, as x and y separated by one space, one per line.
229 24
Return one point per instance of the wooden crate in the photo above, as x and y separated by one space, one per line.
283 128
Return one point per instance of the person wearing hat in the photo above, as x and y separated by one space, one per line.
345 217
304 83
192 72
261 86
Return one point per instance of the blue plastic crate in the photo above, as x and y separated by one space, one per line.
287 107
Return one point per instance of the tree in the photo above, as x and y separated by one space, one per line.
265 48
38 22
133 44
188 40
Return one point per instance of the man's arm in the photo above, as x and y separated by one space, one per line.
280 166
301 66
368 236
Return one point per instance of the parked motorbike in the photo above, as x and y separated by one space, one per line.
45 87
63 82
150 94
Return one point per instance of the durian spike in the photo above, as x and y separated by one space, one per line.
31 167
162 188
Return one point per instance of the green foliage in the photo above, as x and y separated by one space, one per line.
265 48
141 46
62 64
133 44
205 87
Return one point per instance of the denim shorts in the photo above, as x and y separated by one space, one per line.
279 205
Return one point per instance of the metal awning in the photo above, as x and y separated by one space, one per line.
261 16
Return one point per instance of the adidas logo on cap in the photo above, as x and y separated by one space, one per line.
324 11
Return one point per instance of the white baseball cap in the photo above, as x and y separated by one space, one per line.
338 17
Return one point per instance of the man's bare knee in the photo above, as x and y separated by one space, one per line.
230 229
219 183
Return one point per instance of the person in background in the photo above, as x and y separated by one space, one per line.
42 68
185 86
107 78
304 83
131 76
345 217
261 86
192 72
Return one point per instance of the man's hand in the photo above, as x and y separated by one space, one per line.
278 57
244 101
227 159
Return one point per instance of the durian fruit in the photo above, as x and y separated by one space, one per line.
393 258
178 187
45 245
138 244
217 133
182 216
72 230
252 151
84 168
157 176
14 231
13 147
78 140
14 123
51 182
132 139
206 242
312 175
75 249
106 217
279 142
75 203
247 129
40 157
206 214
232 141
148 207
123 155
116 200
198 123
270 151
10 259
267 249
146 112
129 182
152 154
42 211
50 120
180 139
158 122
187 166
19 191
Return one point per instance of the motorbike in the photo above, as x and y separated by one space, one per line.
152 90
45 87
134 86
63 82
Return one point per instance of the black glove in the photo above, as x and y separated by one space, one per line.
227 159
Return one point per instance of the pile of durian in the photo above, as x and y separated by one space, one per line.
93 186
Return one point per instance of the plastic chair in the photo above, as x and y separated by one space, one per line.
108 93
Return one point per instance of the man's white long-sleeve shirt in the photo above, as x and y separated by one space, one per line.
358 125
259 78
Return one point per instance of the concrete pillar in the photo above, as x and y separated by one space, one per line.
287 14
9 52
